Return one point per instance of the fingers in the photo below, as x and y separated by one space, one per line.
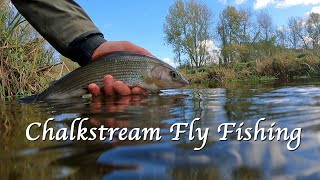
118 87
138 91
111 87
108 85
122 89
94 89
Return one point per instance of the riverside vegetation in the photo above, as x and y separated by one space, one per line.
22 54
251 46
28 63
248 51
284 65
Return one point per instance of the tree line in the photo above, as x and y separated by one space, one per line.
242 34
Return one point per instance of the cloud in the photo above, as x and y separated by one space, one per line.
315 9
281 29
170 62
289 3
211 46
213 50
262 3
283 3
240 1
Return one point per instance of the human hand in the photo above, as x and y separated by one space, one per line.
116 46
112 87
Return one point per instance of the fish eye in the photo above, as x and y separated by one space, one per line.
173 74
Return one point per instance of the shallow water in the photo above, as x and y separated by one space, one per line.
291 105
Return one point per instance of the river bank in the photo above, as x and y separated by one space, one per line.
284 65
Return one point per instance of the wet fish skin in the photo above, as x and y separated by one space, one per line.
133 69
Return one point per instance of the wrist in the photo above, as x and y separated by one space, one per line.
83 47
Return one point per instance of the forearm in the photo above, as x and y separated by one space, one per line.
64 24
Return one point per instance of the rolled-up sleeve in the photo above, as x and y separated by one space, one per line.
63 23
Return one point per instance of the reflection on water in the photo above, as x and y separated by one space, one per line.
290 106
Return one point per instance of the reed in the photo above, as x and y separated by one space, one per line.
289 65
24 54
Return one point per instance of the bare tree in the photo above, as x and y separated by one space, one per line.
313 29
297 33
281 35
266 31
265 25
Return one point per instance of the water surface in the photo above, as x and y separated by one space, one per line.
291 105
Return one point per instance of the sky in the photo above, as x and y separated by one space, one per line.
141 21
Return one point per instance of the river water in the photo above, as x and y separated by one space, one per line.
289 106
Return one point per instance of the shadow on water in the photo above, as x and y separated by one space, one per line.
291 106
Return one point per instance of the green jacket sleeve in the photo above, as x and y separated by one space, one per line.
63 23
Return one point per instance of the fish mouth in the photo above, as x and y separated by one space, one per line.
182 83
185 81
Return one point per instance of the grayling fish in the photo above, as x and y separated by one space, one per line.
133 69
